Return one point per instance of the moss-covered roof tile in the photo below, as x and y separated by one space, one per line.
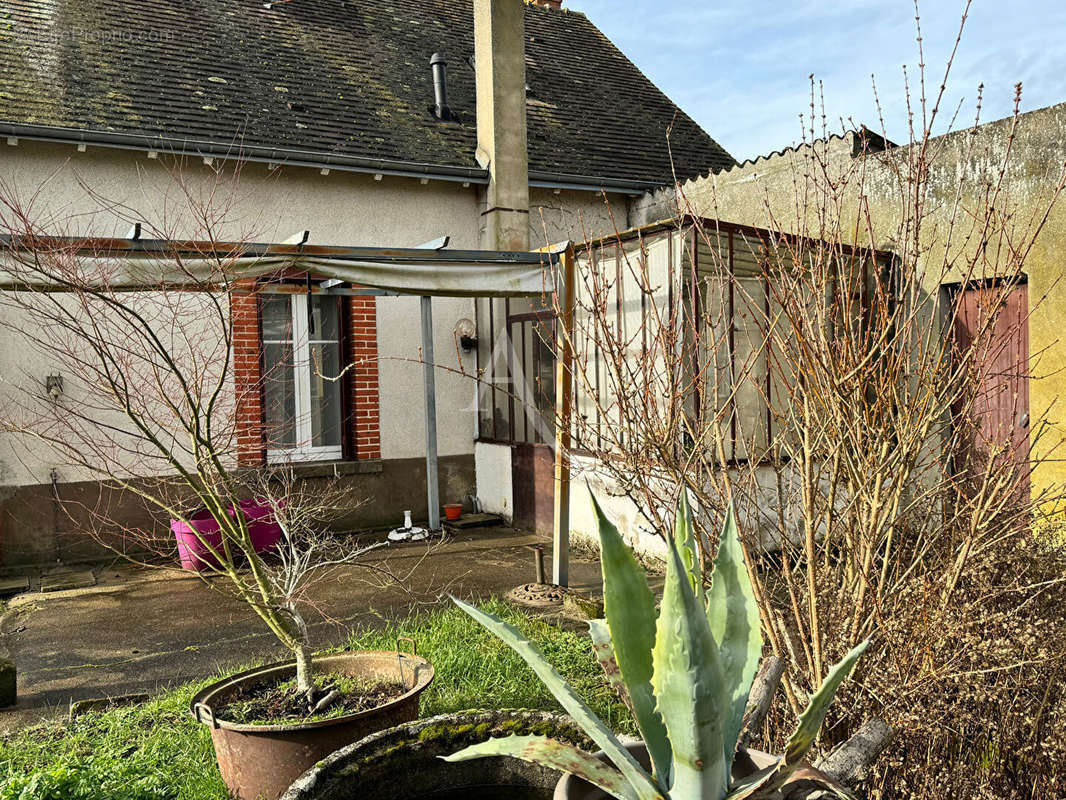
335 77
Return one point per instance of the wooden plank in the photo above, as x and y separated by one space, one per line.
563 403
10 586
476 521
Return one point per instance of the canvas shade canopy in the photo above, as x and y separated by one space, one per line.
42 263
135 264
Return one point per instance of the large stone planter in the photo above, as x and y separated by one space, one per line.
403 763
258 762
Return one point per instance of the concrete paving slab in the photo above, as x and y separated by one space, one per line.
140 630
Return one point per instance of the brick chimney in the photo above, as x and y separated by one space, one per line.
500 73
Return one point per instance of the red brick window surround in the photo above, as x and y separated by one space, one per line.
363 377
361 425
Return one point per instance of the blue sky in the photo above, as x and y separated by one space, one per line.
740 67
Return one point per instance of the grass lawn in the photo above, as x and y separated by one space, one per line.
157 750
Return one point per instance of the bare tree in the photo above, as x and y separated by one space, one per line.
148 405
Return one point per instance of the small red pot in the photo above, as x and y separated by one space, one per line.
452 511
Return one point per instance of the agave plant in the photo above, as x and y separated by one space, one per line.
686 674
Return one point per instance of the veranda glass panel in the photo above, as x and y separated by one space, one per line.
325 394
279 394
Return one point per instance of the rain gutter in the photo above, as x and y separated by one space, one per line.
313 159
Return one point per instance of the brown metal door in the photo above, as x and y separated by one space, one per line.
532 455
994 417
532 479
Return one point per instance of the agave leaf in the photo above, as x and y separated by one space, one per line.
630 610
750 786
601 646
811 719
555 755
688 686
605 739
687 546
821 780
761 785
734 619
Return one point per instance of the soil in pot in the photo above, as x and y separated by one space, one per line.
279 702
258 761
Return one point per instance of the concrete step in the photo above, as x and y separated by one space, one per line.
67 579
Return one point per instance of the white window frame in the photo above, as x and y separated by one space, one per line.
302 367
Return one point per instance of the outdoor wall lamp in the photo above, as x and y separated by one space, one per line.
466 333
53 384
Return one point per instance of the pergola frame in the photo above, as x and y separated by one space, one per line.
559 258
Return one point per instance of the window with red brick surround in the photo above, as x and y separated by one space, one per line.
362 423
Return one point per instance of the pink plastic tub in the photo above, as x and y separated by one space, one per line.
191 550
264 531
262 527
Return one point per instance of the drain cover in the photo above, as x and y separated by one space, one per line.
537 594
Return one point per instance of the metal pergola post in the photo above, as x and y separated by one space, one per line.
430 388
564 398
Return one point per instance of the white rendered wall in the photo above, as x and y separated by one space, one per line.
493 465
755 516
270 205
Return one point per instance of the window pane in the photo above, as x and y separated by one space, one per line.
501 398
520 379
484 365
277 316
325 395
544 380
325 319
279 395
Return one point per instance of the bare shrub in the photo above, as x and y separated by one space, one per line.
842 396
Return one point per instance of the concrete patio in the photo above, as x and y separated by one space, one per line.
139 630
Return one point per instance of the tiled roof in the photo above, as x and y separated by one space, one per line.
333 78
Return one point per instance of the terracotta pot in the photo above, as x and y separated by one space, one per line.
452 511
258 762
403 763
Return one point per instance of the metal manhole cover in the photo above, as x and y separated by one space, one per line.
537 594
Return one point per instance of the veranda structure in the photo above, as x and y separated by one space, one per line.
685 270
295 267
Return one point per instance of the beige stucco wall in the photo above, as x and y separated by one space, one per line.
271 205
762 193
188 328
